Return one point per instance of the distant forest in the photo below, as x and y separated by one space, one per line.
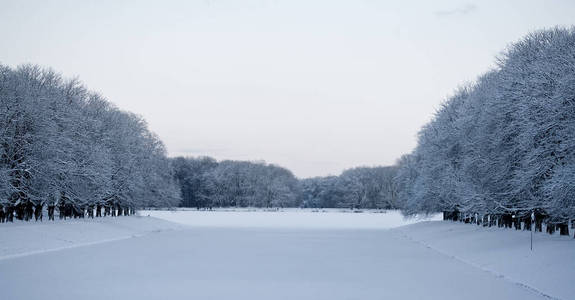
501 151
206 183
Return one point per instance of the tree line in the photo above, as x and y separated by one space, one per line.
362 187
206 183
501 150
66 149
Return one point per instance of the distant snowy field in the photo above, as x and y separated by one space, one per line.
289 218
290 254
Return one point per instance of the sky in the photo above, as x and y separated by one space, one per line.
313 86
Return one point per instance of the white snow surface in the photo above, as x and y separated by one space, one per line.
26 238
289 218
506 253
151 258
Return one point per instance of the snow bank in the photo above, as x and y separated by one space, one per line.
26 238
288 218
548 269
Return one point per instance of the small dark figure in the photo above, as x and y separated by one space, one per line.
51 209
19 211
77 212
563 228
61 211
538 222
492 220
507 220
526 222
516 223
9 214
91 211
38 212
29 211
550 228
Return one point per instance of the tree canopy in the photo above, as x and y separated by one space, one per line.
504 144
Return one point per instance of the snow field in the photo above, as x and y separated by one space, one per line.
329 219
548 269
279 255
26 238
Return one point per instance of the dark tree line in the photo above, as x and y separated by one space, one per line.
65 150
363 187
502 149
206 183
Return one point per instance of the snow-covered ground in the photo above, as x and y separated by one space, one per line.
282 255
27 238
505 253
288 218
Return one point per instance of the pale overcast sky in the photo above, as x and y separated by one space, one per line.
314 86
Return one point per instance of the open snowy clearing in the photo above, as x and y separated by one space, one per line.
288 218
150 258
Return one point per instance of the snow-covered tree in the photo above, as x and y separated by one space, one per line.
503 146
207 183
66 148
